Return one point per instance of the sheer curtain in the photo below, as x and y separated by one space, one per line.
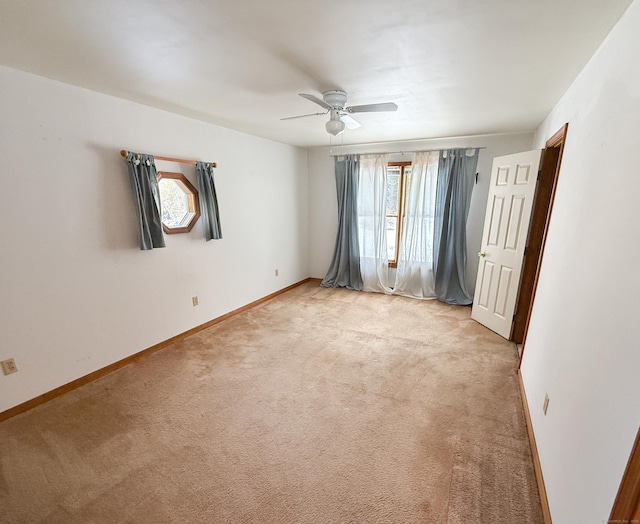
372 210
345 265
414 275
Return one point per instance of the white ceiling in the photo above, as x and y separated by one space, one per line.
457 67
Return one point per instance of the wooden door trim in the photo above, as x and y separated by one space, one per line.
627 503
557 140
539 211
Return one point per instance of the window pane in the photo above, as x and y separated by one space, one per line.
407 178
392 236
174 202
393 190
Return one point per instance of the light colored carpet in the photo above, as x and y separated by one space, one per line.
319 406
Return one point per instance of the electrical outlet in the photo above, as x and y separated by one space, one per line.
194 301
9 366
545 406
276 272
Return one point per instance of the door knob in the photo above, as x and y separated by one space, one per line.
482 254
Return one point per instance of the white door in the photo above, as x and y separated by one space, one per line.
506 226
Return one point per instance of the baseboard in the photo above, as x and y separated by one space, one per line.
546 513
50 395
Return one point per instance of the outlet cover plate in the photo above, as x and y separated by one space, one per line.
9 366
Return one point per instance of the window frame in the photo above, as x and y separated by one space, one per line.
192 199
402 188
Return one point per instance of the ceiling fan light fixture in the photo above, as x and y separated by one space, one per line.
335 127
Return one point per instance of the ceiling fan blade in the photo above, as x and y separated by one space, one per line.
350 122
302 116
315 100
368 108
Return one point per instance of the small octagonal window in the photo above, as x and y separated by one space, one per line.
179 201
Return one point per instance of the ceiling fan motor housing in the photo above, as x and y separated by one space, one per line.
336 99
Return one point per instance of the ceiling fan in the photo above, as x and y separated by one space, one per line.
335 103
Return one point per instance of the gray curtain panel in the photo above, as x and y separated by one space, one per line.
345 266
208 201
144 183
456 175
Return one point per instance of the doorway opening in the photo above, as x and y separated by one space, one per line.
540 216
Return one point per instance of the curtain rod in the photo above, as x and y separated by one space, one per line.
124 153
403 152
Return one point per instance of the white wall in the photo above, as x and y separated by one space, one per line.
583 346
323 207
76 292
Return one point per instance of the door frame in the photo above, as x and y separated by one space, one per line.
627 504
542 208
